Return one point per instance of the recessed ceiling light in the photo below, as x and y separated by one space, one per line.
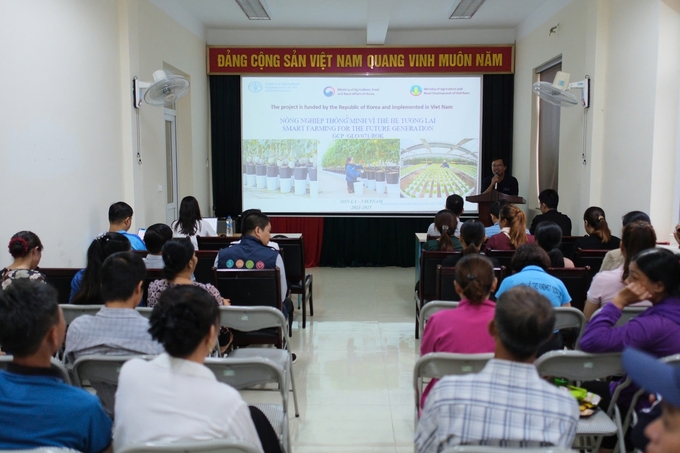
465 9
254 9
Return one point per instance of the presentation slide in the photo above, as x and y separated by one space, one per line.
359 145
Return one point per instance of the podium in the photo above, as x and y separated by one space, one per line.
485 199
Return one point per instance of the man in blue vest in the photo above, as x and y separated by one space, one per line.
253 253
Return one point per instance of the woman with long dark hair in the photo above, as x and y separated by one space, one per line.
653 276
175 397
472 237
599 235
513 223
445 222
190 223
549 237
86 284
26 249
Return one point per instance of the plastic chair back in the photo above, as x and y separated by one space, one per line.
433 307
193 446
570 318
627 314
54 364
71 311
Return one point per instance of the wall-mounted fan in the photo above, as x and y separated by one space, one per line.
165 89
557 92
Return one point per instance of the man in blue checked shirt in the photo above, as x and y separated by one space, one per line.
507 404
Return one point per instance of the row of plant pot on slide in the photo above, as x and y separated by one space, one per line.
389 175
272 171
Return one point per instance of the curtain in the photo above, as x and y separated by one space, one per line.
498 92
312 234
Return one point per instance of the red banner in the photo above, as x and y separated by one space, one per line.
361 60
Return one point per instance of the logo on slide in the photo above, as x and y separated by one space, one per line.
416 90
328 91
255 87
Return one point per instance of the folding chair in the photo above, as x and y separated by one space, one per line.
299 281
440 364
248 372
580 366
249 319
570 318
627 314
145 311
191 446
71 311
54 364
631 415
102 371
431 308
487 449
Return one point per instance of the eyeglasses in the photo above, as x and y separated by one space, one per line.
497 165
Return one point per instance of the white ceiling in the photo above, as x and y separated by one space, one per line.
375 17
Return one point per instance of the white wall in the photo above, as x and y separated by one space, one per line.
573 41
60 124
155 41
631 51
67 126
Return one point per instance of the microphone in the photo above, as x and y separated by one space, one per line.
495 187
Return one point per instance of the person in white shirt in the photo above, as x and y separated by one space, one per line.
174 397
190 223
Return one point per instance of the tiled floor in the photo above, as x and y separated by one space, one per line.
355 363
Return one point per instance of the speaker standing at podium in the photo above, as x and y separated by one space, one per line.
500 181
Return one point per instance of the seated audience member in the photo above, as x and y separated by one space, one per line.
454 203
120 221
244 215
175 397
446 222
506 404
548 200
549 237
251 252
190 223
180 261
117 329
471 238
155 237
529 266
676 234
26 249
86 284
464 329
494 213
614 258
599 236
37 408
653 276
636 237
661 435
513 230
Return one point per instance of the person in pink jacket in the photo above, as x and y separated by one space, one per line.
464 329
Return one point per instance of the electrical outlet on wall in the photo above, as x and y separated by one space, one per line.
160 188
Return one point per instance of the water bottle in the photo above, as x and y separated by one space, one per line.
230 226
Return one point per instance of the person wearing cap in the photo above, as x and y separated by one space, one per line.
657 377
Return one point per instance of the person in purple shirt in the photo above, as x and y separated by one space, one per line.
653 275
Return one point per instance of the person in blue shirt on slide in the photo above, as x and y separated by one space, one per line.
352 172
